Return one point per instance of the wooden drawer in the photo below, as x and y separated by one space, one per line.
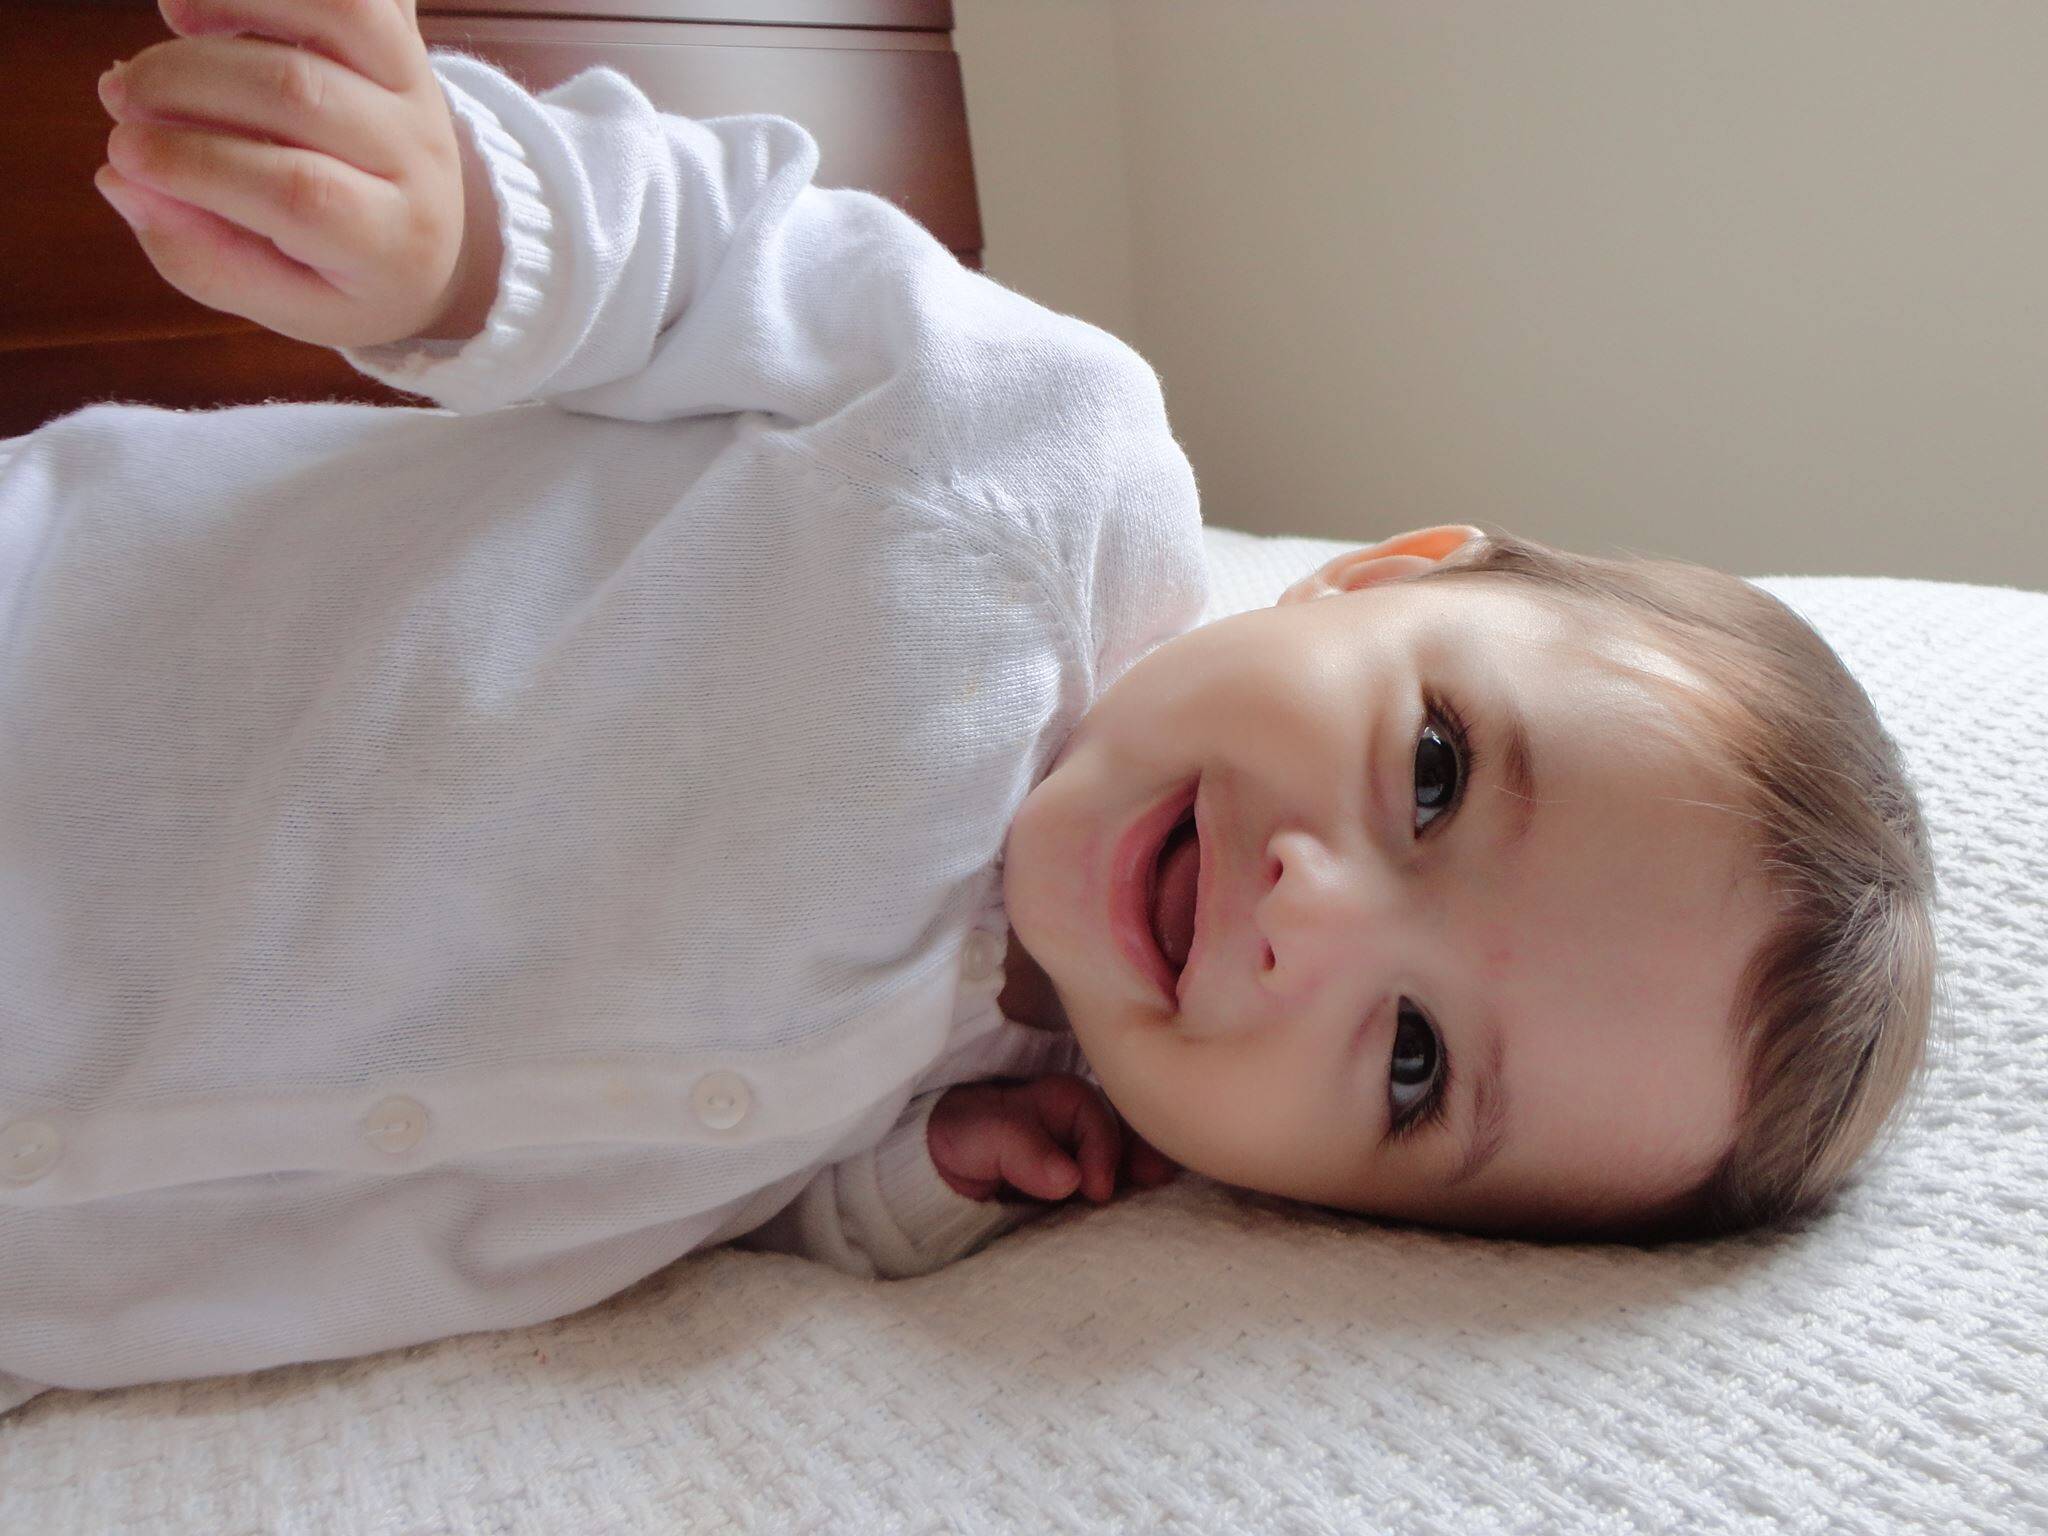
84 316
928 15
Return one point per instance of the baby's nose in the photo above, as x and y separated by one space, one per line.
1324 914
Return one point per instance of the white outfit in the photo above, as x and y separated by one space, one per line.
455 862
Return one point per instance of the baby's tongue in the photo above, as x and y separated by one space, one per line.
1173 912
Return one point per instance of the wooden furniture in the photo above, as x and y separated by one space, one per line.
84 317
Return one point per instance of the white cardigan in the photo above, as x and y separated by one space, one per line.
455 862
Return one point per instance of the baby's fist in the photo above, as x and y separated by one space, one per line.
1043 1138
293 162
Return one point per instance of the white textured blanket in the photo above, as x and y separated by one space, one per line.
1198 1360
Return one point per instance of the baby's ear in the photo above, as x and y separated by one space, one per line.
1405 554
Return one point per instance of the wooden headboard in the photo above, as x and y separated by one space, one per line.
84 317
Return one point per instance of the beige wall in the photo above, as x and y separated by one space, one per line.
1762 282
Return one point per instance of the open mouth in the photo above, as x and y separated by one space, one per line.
1145 879
1171 898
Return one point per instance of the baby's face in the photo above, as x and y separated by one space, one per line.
1382 917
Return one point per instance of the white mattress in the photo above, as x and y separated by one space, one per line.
1199 1360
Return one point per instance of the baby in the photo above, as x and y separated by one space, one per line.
750 768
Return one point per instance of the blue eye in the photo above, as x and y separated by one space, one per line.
1437 775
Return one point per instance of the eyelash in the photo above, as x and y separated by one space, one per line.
1439 710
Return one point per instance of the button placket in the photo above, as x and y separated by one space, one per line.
721 1099
28 1150
983 957
395 1125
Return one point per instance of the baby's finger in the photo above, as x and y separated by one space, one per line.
1075 1112
376 38
263 89
1101 1149
1030 1162
314 209
208 259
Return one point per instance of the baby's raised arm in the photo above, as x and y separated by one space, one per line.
458 237
294 162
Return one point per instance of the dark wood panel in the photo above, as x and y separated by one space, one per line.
927 15
84 316
68 266
892 122
235 366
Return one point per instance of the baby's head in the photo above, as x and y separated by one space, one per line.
1539 895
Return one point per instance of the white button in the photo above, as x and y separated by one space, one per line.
28 1150
984 955
396 1124
721 1100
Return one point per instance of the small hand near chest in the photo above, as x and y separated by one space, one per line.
1044 1138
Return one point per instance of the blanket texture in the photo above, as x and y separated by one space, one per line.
1194 1359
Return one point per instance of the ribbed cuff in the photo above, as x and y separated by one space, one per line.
483 372
938 1224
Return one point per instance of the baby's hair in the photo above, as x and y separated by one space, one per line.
1832 1013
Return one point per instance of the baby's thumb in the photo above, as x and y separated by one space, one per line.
1053 1177
1062 1178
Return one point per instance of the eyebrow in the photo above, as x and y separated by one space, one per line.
1518 776
1489 1117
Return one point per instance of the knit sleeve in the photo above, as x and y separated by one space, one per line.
886 1213
657 266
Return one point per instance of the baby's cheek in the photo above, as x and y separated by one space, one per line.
1496 954
1168 1096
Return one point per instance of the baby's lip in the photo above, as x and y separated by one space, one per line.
1211 950
1208 884
1133 863
1207 875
